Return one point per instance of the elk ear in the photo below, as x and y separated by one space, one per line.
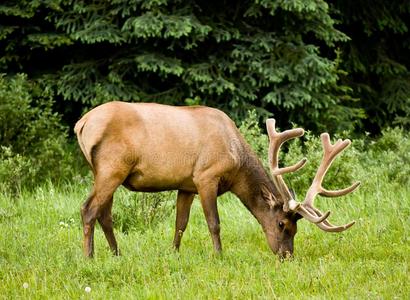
268 196
297 216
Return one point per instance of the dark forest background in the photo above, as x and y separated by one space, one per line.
324 65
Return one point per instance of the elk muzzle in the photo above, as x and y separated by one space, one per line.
283 247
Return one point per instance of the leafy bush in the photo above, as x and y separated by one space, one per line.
140 211
14 170
253 134
33 141
389 155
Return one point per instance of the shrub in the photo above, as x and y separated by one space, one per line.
389 155
14 170
34 143
253 134
140 211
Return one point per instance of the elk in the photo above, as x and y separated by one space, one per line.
150 147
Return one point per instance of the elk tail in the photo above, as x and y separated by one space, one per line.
78 129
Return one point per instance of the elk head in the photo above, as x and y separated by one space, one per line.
285 208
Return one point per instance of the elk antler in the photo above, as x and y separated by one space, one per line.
330 153
306 209
276 140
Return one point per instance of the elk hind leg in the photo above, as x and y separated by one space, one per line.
105 220
98 206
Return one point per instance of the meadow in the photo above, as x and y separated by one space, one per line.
41 255
41 235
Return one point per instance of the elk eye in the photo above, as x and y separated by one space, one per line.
281 225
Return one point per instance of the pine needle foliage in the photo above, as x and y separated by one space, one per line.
377 59
235 55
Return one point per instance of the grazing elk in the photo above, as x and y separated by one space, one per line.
196 150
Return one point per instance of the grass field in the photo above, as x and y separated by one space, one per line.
41 256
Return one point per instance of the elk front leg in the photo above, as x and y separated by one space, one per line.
184 202
208 195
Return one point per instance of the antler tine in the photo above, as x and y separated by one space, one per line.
341 192
276 141
327 226
314 218
330 153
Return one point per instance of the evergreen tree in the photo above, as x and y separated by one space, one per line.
377 58
276 56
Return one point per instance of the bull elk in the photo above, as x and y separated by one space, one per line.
151 147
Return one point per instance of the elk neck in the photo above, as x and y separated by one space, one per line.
249 182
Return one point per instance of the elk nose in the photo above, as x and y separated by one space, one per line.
285 255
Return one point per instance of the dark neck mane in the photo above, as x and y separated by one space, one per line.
251 177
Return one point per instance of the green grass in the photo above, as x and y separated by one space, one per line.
40 244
